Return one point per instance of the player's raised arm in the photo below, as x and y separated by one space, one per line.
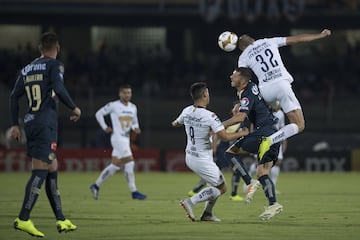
307 37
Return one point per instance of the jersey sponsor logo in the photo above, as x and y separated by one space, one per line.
244 102
33 67
29 117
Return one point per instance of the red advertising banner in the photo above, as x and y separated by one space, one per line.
15 160
175 161
148 160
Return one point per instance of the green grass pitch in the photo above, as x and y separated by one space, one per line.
316 206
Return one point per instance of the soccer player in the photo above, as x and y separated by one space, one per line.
254 108
40 81
263 57
123 115
199 124
219 149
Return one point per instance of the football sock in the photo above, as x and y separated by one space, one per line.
32 191
209 205
235 183
130 176
238 166
274 174
53 195
269 188
208 193
199 186
252 169
106 174
284 133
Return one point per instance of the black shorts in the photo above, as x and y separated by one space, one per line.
41 142
221 161
251 143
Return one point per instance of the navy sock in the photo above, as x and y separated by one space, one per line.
53 195
235 183
238 167
32 191
199 186
269 188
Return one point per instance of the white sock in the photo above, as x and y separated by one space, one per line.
208 193
106 173
252 170
274 174
284 133
130 176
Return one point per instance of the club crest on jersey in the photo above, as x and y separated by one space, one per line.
255 90
244 102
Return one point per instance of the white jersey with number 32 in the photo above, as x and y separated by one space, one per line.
264 59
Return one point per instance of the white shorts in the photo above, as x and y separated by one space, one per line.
121 147
282 92
206 169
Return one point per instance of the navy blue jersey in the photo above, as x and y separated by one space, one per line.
40 81
255 107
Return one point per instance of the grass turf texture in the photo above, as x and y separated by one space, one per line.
316 206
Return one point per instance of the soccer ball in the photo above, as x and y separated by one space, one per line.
228 41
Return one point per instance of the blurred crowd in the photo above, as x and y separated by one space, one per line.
159 73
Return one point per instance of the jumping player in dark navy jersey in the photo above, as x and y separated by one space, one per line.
254 108
42 81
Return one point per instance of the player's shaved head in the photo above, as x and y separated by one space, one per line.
244 41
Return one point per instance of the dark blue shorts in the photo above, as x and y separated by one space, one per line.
221 161
41 142
251 143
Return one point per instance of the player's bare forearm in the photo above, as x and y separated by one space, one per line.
240 117
307 37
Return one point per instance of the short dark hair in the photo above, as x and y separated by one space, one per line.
197 89
48 41
244 72
124 86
